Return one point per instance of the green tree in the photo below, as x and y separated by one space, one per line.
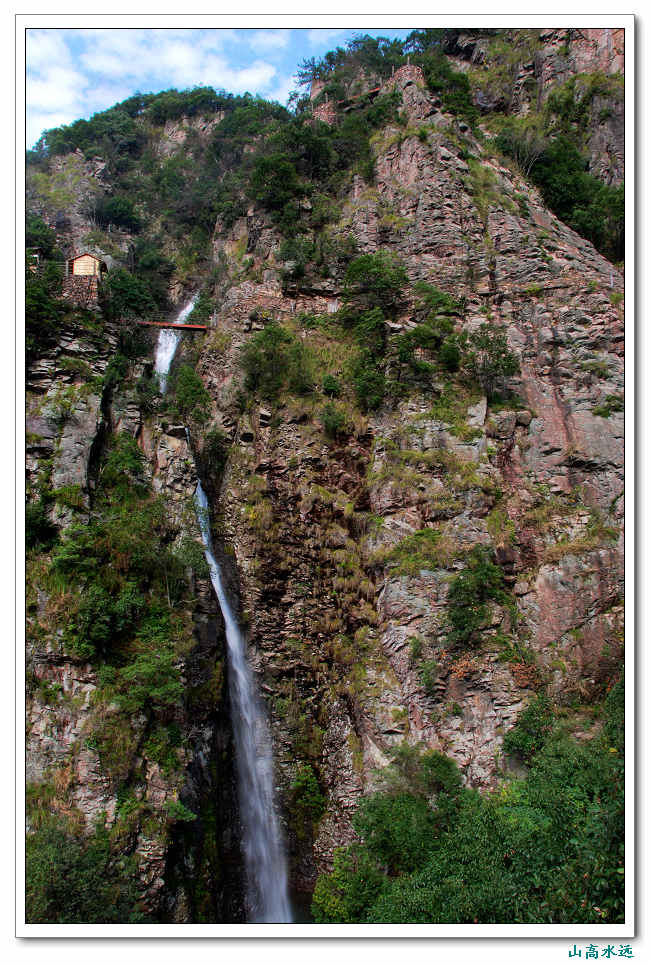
469 595
490 360
376 281
70 879
126 296
272 360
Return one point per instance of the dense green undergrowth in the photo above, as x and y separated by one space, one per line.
541 849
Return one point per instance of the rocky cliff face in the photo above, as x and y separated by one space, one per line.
341 622
517 72
82 750
329 627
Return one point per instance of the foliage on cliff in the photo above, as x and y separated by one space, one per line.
547 848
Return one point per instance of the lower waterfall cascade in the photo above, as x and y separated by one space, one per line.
265 863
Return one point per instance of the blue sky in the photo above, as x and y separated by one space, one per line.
74 73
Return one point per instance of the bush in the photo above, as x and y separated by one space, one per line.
595 210
179 813
546 848
43 310
214 454
307 801
70 879
151 681
533 727
452 86
334 421
490 360
375 281
469 595
331 387
118 211
272 360
429 677
450 355
126 296
123 470
275 183
191 397
368 380
39 235
40 533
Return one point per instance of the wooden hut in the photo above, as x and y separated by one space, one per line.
86 264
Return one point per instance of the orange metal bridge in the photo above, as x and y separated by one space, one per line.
172 325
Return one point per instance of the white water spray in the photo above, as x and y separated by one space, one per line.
266 871
263 853
168 340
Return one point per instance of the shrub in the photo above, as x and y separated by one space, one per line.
490 360
118 211
450 355
71 879
152 680
368 380
591 208
469 594
123 469
275 183
429 676
272 360
611 404
179 812
40 533
216 447
308 802
39 235
334 421
375 280
126 296
331 387
43 311
435 302
104 619
545 848
190 395
530 732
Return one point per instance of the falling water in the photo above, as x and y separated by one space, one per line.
266 871
264 856
168 340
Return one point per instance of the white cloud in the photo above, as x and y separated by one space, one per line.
318 36
280 92
267 40
74 73
39 121
56 88
45 48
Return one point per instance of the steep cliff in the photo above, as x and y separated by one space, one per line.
361 469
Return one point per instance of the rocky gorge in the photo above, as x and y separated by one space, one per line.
342 523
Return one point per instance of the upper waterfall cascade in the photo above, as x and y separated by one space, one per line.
266 871
168 340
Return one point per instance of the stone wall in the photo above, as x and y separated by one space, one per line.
82 290
325 112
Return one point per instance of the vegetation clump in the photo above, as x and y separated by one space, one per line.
470 595
551 844
274 360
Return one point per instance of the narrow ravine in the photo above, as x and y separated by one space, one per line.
266 872
267 897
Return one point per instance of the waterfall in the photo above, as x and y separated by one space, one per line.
263 853
168 340
266 871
